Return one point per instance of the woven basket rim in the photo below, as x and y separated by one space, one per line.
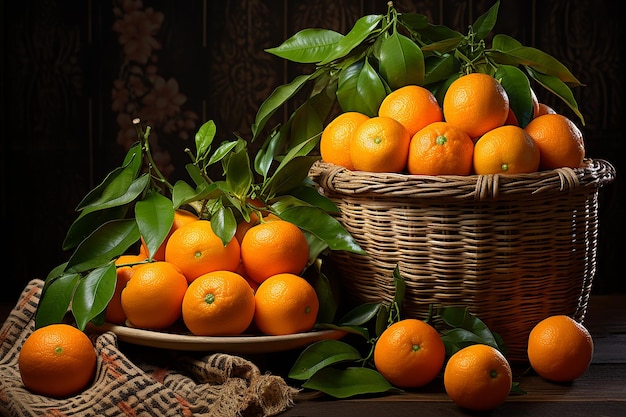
593 174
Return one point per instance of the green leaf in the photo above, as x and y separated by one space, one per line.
204 138
505 43
305 124
109 241
320 355
238 173
308 46
363 28
324 226
360 314
413 21
224 224
345 383
223 150
309 194
517 87
439 68
88 221
275 100
93 294
559 88
55 299
485 23
327 300
460 318
360 89
116 183
536 59
289 176
155 216
112 199
401 61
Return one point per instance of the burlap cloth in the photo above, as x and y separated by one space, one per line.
168 384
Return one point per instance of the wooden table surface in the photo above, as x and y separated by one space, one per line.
601 391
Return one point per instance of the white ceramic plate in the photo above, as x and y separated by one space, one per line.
248 344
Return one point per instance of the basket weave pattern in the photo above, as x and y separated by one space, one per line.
512 248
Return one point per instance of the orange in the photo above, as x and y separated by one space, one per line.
285 304
114 312
336 137
153 297
543 109
476 103
243 226
440 149
559 139
380 144
506 150
413 106
218 303
559 348
181 217
409 353
274 247
57 360
196 250
478 377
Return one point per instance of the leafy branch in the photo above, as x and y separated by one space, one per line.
135 201
381 53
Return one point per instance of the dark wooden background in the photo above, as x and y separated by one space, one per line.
66 65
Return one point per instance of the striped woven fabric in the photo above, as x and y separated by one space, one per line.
140 382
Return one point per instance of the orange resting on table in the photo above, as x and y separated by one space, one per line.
478 377
409 353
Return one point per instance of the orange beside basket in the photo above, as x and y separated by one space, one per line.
513 248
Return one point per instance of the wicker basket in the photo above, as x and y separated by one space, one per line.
512 248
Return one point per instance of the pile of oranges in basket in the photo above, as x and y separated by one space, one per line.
473 131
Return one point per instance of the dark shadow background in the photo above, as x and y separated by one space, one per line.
64 69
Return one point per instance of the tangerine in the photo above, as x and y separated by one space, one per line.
274 247
409 353
476 103
114 312
559 140
380 144
440 149
478 377
507 149
413 106
218 303
195 249
285 304
560 349
153 297
336 137
57 360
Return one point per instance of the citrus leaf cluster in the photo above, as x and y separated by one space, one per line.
135 202
381 53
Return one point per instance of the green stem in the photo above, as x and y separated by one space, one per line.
152 167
